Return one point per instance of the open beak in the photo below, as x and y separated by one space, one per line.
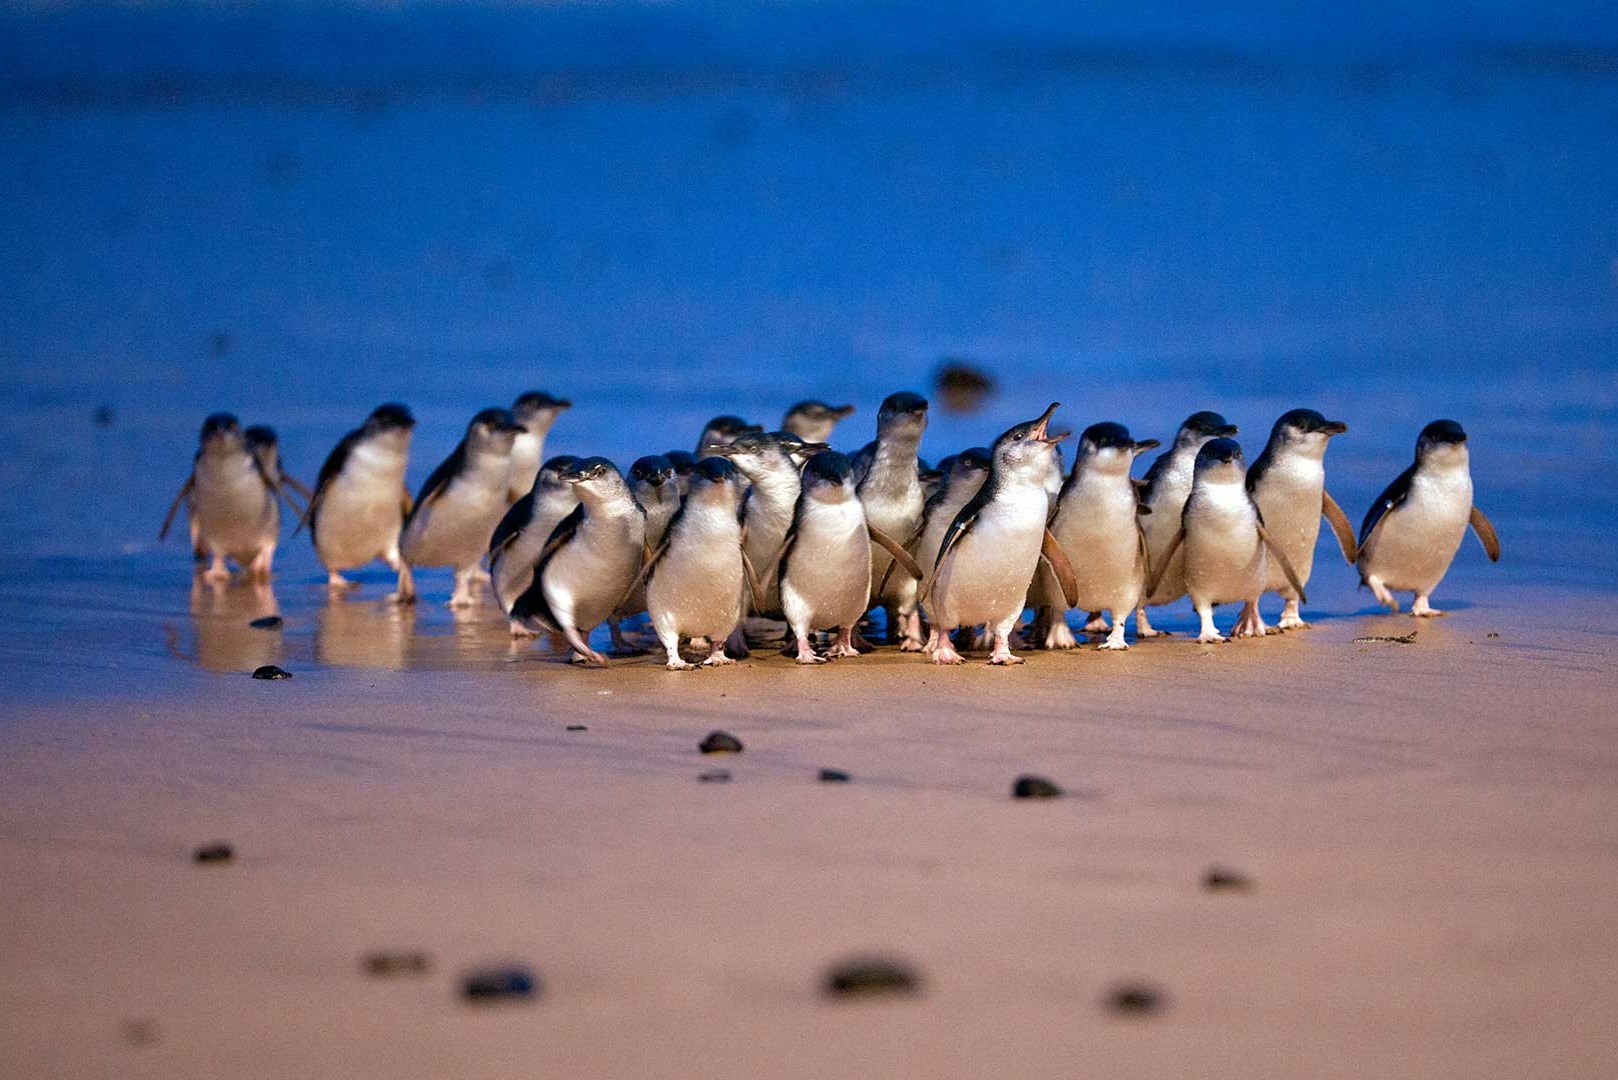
1042 426
1146 444
1334 427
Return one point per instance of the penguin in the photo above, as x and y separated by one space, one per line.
1044 596
813 421
1288 482
262 443
825 564
361 500
891 491
964 475
1413 530
232 502
683 461
767 508
694 581
1227 549
991 548
462 502
1097 524
656 491
1163 494
796 447
536 411
722 429
518 540
590 562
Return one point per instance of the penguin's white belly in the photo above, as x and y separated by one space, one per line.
696 589
984 578
525 461
1224 558
1104 548
827 583
236 513
1160 527
1290 500
1415 542
585 579
359 518
455 529
512 571
899 518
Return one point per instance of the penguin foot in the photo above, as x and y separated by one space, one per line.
1212 639
946 654
401 597
1008 658
840 650
677 664
1292 622
1250 623
1422 610
592 658
338 583
1113 645
1097 624
912 645
809 656
718 659
1060 636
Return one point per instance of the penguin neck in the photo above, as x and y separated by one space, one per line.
894 467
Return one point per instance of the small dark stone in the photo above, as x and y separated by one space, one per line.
138 1032
500 984
717 776
217 852
1134 999
864 977
270 671
720 742
268 622
577 727
405 962
834 776
1224 879
1034 787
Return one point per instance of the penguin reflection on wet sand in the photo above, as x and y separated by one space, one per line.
1164 490
520 538
1413 530
1227 550
232 502
462 502
361 500
1288 482
813 421
695 580
590 562
536 411
993 546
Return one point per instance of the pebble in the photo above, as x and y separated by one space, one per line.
1224 879
871 977
217 852
270 671
1134 999
834 776
1034 787
720 742
578 727
139 1031
268 622
717 776
500 984
396 963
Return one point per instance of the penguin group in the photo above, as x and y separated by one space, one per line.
760 536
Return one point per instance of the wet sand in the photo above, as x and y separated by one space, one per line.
1428 828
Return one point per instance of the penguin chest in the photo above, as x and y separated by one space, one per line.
586 578
1416 541
899 515
985 576
1290 499
1224 558
234 509
455 529
697 586
526 449
827 579
361 510
1098 534
1160 526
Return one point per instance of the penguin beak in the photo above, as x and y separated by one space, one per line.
561 404
1146 444
810 449
1229 431
716 450
1042 426
1334 427
841 411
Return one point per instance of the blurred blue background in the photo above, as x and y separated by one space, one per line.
1384 211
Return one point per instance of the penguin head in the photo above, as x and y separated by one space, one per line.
493 431
550 473
1110 447
260 437
536 411
595 479
970 462
903 412
1029 448
713 480
389 417
796 448
724 429
653 471
817 413
221 431
829 477
1304 431
1221 461
1199 427
754 454
1442 442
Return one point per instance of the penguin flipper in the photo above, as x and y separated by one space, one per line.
1050 549
174 507
269 470
511 523
1155 578
296 485
649 559
1485 530
440 479
532 602
901 557
308 514
1145 550
1339 526
754 586
1286 564
1391 498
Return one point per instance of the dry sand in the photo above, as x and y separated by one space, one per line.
1429 828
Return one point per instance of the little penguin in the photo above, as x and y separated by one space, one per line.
518 540
361 500
695 579
1288 482
796 447
656 491
1415 527
1163 493
813 421
683 461
964 474
992 547
232 503
1227 549
262 443
461 503
894 504
536 412
1097 524
825 564
767 507
723 429
590 562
